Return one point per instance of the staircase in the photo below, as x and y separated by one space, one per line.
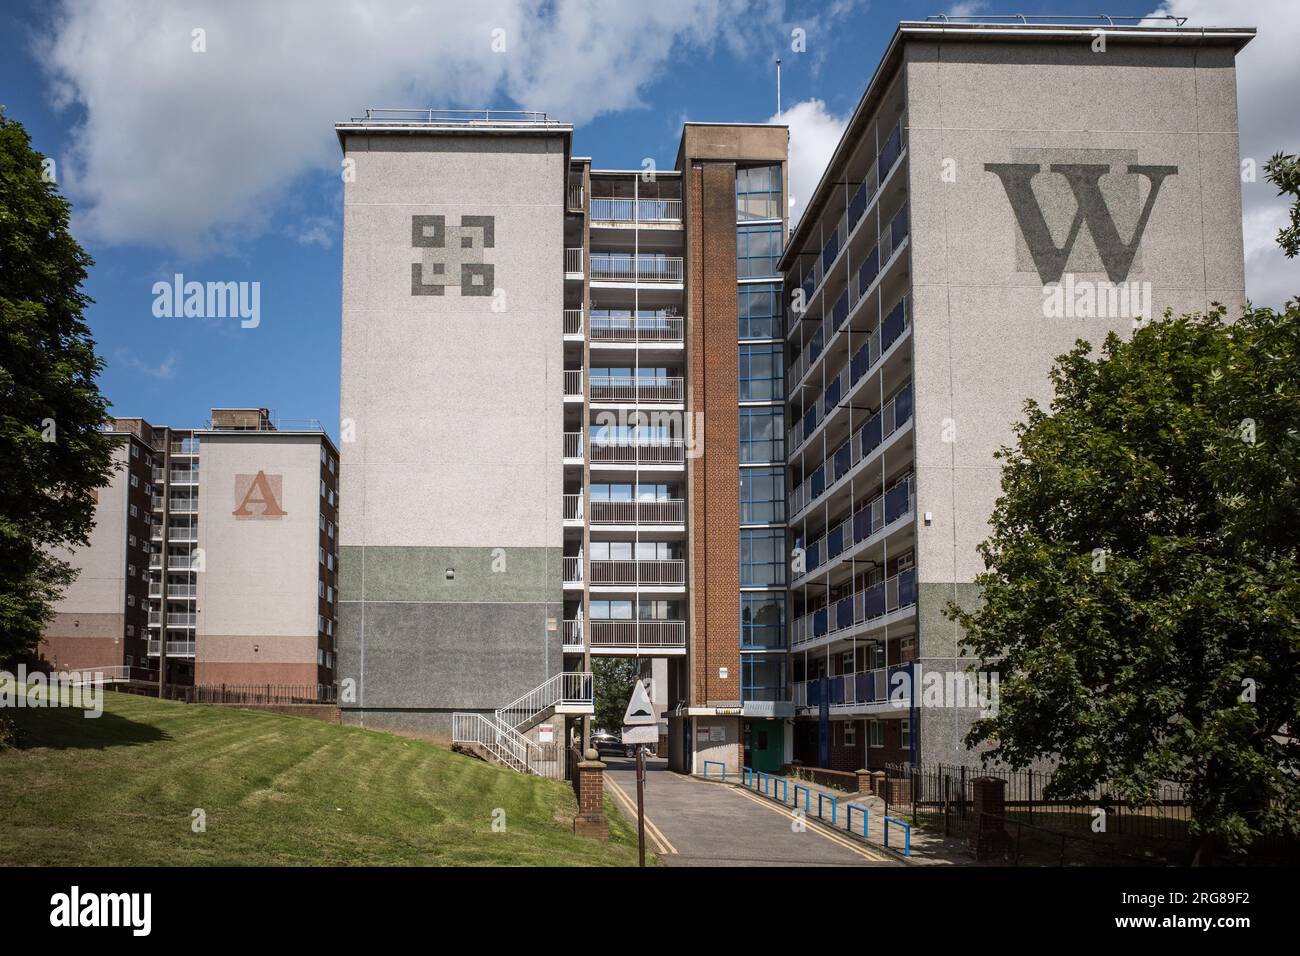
501 736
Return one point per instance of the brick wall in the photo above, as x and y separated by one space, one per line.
712 392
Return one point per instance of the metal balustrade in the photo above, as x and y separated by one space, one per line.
857 207
575 197
569 688
864 440
640 328
638 453
573 444
860 607
573 507
573 259
183 505
573 633
185 477
181 620
859 688
860 284
637 633
572 321
883 509
174 648
632 572
179 590
635 388
573 383
608 209
620 267
666 511
572 568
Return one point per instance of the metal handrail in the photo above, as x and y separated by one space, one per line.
566 687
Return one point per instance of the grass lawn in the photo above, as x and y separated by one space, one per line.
277 790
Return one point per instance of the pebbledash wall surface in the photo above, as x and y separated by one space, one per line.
451 411
1020 142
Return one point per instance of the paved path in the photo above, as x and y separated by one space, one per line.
691 822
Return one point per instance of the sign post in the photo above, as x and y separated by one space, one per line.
640 727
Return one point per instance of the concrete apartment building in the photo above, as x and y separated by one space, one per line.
988 171
528 488
231 571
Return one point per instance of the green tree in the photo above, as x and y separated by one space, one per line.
613 678
1141 601
52 451
1283 171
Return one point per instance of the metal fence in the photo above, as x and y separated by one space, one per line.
264 694
942 796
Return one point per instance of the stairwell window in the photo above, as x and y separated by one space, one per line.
877 733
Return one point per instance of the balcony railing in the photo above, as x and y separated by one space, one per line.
638 452
638 573
174 648
185 477
860 284
573 260
573 444
573 507
189 535
667 511
575 197
894 414
573 634
573 383
181 620
863 688
183 505
616 267
862 363
860 607
179 591
572 570
641 328
611 388
572 321
636 210
857 207
898 500
637 633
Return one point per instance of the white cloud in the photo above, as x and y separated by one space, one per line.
814 134
1268 76
164 370
177 148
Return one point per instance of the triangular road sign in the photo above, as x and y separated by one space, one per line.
640 710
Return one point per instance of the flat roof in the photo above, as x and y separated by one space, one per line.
401 120
1015 28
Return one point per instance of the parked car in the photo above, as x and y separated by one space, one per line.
606 743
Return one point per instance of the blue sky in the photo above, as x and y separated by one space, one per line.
223 165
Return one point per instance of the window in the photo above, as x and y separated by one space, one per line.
907 734
322 555
323 456
130 600
134 512
135 481
329 529
329 594
761 315
762 620
762 677
611 610
322 522
762 434
762 372
329 561
762 495
762 557
322 487
758 249
877 733
850 733
758 193
331 498
320 589
131 540
135 452
332 465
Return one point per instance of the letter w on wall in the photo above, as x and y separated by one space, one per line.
1090 208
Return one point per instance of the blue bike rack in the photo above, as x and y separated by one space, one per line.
716 763
907 834
835 804
807 796
746 775
848 816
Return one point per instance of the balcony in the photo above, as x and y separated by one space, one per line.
573 262
862 363
575 197
858 689
573 637
669 511
633 573
573 510
174 648
635 635
867 192
185 477
637 389
572 448
641 329
855 610
179 591
183 506
893 415
572 570
640 454
181 619
183 535
870 519
573 323
618 267
654 211
572 384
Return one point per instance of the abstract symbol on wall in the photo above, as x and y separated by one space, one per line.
453 255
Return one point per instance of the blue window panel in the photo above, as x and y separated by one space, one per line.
870 269
903 405
896 502
819 622
871 434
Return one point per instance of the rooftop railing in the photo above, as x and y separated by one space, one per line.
384 114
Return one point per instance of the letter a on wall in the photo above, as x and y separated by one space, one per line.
258 497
